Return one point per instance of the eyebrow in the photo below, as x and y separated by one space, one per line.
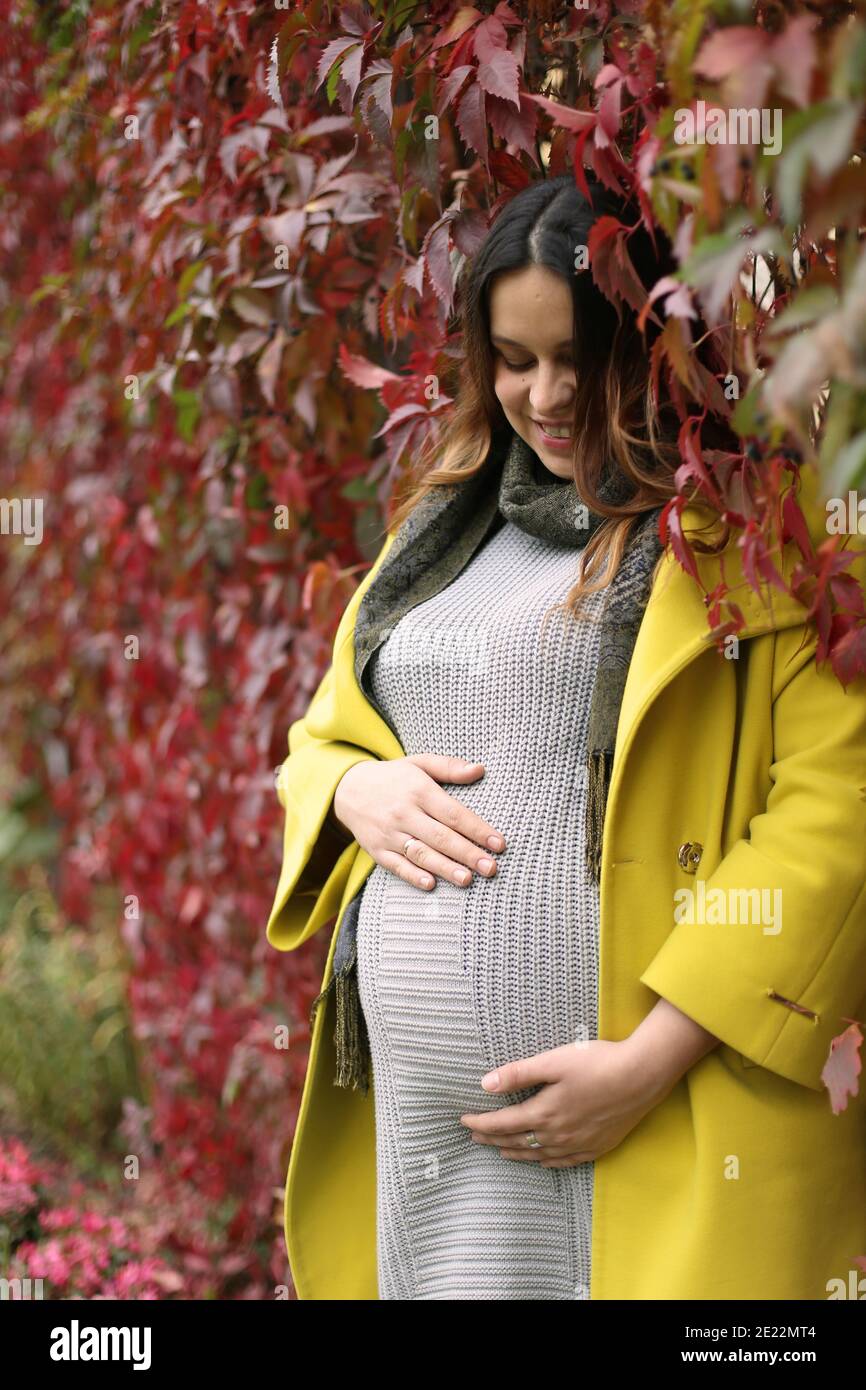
497 338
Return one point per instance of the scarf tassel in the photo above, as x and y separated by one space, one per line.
600 766
351 1040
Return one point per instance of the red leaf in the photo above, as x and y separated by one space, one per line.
848 594
465 17
694 466
611 265
498 72
794 524
361 372
670 528
848 652
507 170
610 169
579 169
516 128
472 121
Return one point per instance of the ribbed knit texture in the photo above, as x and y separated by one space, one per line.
458 980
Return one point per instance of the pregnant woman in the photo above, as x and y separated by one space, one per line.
531 1076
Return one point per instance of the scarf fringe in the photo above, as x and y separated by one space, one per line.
600 765
351 1039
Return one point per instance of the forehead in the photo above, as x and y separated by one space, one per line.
531 305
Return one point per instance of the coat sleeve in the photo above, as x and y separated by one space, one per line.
779 997
317 853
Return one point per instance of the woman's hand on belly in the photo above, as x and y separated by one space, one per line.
407 822
592 1095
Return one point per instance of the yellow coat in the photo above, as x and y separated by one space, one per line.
741 1183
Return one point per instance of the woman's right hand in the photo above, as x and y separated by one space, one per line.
385 803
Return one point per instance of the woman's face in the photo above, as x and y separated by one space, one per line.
531 321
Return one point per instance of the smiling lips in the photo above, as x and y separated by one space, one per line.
556 431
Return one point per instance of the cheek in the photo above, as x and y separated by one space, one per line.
510 389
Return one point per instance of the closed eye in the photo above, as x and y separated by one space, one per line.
525 366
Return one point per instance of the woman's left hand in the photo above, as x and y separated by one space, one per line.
593 1094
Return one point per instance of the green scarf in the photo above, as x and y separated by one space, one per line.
435 542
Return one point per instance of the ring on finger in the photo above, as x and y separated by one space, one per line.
406 846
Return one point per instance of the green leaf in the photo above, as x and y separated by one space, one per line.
358 490
839 424
188 278
822 137
253 306
333 79
592 57
808 306
749 414
188 412
847 467
182 311
849 79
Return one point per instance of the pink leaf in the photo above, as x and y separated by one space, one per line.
437 258
728 50
793 55
400 415
565 116
449 89
843 1067
329 56
609 114
192 905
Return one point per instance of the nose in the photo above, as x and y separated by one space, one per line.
552 389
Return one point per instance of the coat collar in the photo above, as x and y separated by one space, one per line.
675 627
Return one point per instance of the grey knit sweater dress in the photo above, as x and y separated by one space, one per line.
454 981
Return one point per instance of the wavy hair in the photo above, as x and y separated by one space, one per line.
618 425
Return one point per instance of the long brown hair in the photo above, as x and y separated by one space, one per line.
618 428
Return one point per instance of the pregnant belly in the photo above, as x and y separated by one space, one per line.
455 982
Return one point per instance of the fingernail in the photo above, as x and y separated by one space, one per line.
495 841
485 865
490 1081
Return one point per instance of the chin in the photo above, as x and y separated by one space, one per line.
561 467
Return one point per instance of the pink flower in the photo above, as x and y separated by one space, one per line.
16 1196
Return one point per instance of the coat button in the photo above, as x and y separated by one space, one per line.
689 855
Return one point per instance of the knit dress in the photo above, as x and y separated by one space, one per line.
454 981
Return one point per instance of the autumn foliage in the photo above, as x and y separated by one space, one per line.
232 241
